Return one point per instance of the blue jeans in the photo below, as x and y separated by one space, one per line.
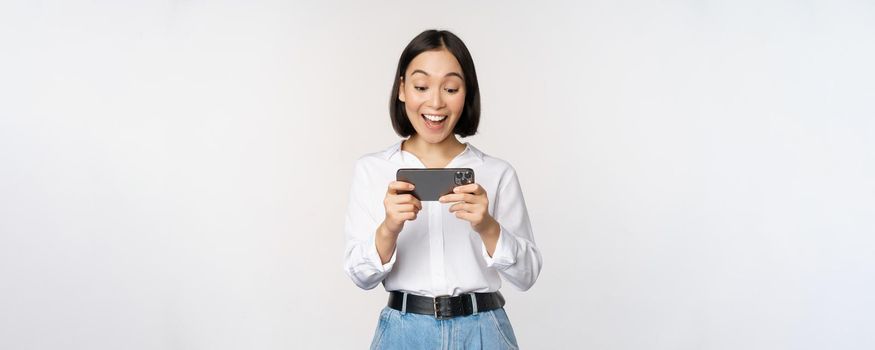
484 330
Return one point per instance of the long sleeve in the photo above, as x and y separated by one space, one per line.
362 262
516 257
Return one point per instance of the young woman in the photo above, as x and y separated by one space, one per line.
441 261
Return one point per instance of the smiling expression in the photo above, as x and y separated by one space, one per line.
433 92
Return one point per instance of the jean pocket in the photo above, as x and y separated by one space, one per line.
382 324
504 328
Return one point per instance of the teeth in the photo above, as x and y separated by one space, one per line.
434 118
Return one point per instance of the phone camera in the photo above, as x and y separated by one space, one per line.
463 178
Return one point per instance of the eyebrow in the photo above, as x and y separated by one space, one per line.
448 74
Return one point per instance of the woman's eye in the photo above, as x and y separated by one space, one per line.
420 88
452 91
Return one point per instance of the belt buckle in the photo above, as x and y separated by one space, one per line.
437 313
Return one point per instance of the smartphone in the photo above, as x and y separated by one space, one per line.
432 183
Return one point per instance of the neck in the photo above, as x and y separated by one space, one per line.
439 152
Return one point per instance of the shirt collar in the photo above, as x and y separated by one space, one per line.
470 150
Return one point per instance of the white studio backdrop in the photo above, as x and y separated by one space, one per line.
174 175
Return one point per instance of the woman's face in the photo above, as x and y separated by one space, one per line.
433 92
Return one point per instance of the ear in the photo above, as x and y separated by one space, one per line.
401 89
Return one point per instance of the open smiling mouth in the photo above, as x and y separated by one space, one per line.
434 121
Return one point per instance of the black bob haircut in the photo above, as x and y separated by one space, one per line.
436 40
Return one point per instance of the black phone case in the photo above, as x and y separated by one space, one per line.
432 183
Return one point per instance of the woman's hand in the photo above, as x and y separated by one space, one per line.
399 207
473 206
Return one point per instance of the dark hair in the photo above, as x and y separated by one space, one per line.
435 40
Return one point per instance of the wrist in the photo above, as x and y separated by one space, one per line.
489 235
385 242
491 228
385 232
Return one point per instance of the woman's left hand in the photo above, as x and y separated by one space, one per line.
472 206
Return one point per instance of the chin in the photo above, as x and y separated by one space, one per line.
429 136
432 138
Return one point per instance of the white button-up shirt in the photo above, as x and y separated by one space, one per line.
437 253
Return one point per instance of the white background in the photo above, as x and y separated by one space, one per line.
699 174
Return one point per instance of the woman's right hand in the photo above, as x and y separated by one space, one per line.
399 207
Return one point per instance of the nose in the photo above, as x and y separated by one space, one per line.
437 101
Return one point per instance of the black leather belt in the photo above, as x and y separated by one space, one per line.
444 307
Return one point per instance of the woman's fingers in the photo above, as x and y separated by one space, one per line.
461 207
399 213
473 188
401 208
471 203
470 193
404 199
464 215
459 197
396 186
473 213
401 198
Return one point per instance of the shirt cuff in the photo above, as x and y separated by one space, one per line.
376 262
504 256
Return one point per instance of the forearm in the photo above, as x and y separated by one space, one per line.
490 235
385 242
